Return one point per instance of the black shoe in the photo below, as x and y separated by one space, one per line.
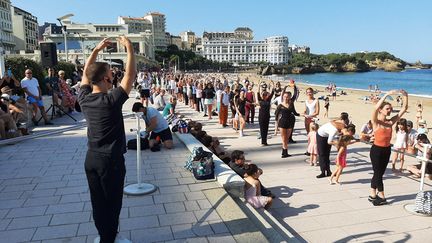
379 201
264 144
307 154
49 123
155 149
371 199
322 175
35 122
205 115
291 141
329 173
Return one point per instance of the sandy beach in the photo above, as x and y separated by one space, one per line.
353 103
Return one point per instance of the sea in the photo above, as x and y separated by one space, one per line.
415 82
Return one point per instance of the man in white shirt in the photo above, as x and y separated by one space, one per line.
34 96
159 101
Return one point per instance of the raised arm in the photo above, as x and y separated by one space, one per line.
92 59
374 118
130 71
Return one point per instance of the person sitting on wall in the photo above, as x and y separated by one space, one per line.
238 163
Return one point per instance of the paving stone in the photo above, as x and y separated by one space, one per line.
177 218
222 238
174 189
38 193
191 205
41 201
51 184
71 190
152 235
204 204
167 198
202 229
53 232
19 181
195 195
70 218
139 223
65 208
182 231
218 226
87 229
29 222
71 198
174 207
21 235
10 195
27 212
206 215
146 210
4 223
165 182
19 188
67 240
137 201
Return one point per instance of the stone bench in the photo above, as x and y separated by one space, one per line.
225 176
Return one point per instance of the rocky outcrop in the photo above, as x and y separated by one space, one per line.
386 65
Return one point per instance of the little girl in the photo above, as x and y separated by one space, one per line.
400 143
312 144
253 188
342 145
326 106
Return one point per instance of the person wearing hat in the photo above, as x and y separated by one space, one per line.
422 127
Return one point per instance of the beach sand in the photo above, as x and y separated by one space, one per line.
359 110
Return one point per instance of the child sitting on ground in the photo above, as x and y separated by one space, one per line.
253 189
312 143
342 145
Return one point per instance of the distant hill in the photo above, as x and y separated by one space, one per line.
337 62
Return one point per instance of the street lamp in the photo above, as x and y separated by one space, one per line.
60 19
82 38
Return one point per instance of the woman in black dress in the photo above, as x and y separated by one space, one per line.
264 101
286 119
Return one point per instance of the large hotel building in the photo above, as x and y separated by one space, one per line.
272 50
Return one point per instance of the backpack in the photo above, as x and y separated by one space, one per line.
196 155
423 203
182 126
203 169
132 144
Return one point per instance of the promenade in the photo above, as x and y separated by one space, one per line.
44 195
315 211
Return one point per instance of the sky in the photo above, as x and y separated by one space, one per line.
403 28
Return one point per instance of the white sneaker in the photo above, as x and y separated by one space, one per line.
118 239
241 133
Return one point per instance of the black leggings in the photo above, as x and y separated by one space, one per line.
323 153
264 120
105 176
199 104
380 158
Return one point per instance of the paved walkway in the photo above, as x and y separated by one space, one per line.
44 196
318 212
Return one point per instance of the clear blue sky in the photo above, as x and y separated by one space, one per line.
403 28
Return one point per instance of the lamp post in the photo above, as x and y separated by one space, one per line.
60 19
82 38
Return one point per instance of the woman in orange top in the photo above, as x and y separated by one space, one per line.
381 148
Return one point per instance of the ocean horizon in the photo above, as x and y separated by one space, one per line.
415 82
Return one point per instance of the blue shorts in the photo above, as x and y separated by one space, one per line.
32 100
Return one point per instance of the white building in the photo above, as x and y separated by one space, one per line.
136 25
299 49
7 40
189 39
158 21
273 50
25 30
82 38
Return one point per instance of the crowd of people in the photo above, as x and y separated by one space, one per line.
217 95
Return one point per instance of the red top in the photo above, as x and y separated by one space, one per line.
250 96
383 136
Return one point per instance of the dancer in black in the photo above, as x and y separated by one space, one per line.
105 164
381 149
285 118
264 102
